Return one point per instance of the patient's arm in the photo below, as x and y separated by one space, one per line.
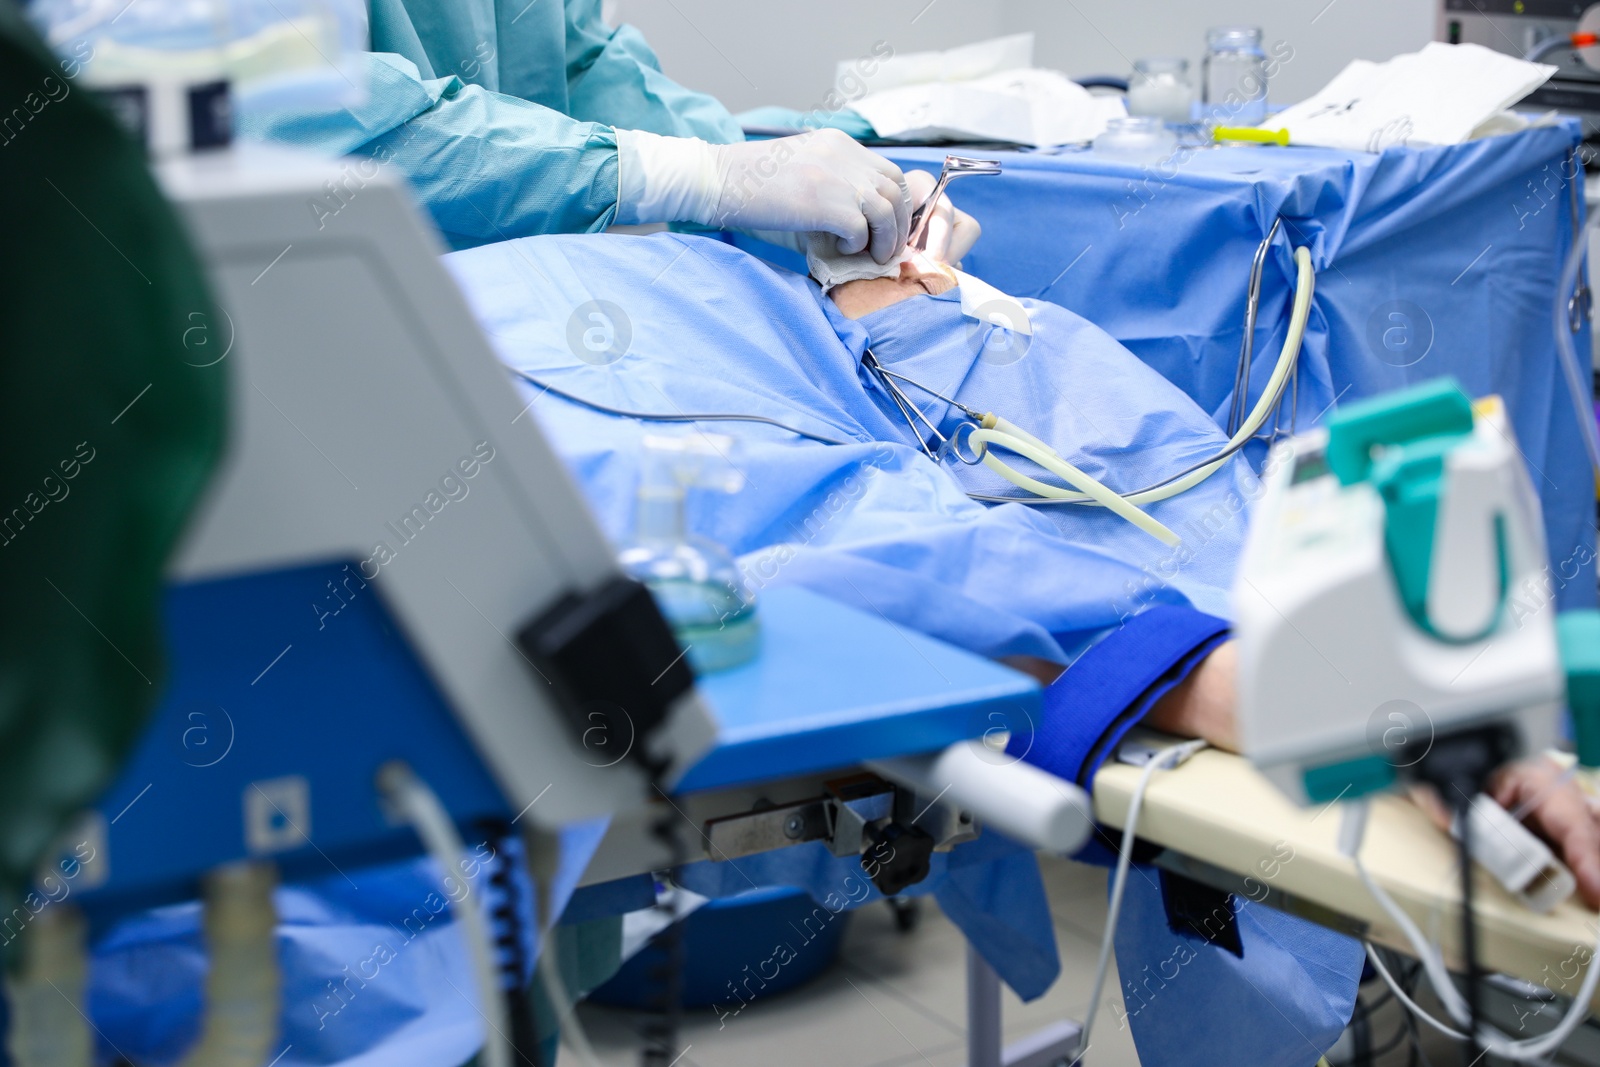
1199 706
1202 705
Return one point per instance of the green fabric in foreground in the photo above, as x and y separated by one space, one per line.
112 392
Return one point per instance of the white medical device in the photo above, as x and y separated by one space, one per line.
1394 592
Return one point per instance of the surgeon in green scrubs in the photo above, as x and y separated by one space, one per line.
518 117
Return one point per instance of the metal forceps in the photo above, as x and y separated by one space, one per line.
954 167
911 413
908 410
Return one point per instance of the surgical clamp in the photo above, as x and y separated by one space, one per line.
954 167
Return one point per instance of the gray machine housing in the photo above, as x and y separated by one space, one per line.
1514 27
362 390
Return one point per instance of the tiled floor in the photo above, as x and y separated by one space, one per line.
899 1000
893 999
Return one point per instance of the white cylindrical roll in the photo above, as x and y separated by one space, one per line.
1016 798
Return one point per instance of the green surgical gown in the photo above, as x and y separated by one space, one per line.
501 113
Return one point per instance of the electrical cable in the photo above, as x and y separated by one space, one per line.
542 858
506 916
1051 461
1364 1014
1469 926
1119 882
1559 42
1360 1030
419 805
548 968
1402 1032
648 416
1410 976
1433 967
661 1031
1411 1006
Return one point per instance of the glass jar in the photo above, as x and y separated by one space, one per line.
1233 76
1160 89
1136 139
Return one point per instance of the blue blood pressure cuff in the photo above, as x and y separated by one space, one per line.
1112 686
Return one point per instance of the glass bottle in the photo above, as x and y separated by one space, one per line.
695 580
1160 89
1233 76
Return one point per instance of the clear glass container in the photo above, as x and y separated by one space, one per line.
696 581
1137 139
1233 77
1160 89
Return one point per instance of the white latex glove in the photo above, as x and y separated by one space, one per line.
822 182
950 235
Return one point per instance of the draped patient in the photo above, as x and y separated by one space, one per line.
847 495
1202 703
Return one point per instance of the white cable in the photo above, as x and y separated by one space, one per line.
420 807
1528 1049
1287 357
1119 883
542 857
1412 1006
1432 964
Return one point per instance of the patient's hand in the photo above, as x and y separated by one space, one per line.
1558 811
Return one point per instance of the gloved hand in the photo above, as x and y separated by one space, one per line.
822 182
950 235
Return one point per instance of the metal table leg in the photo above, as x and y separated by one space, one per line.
1055 1045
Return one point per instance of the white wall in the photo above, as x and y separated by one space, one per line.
750 52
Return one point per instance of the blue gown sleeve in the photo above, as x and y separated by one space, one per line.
486 166
1112 686
613 77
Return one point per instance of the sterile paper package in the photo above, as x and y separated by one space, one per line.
1443 95
1017 103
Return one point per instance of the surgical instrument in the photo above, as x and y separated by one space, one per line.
1252 306
954 167
898 397
987 429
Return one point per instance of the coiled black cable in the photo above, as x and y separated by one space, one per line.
660 1029
506 919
